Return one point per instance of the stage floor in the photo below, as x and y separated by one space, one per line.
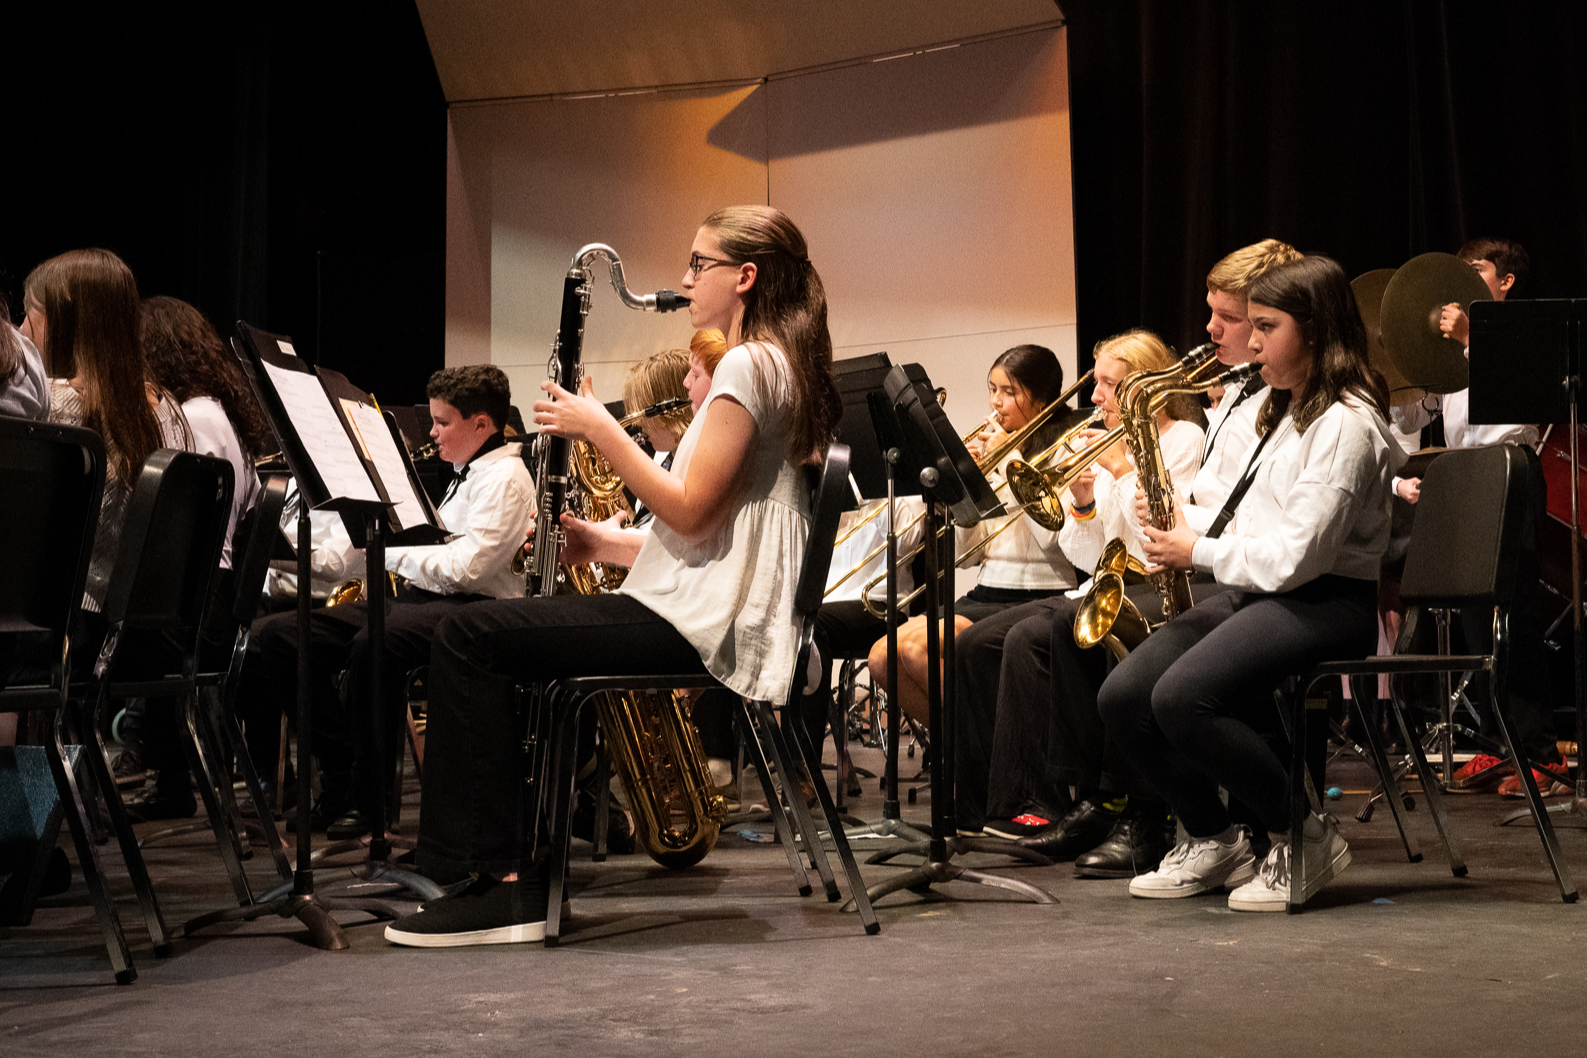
1393 957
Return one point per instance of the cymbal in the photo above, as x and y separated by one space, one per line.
1368 288
1409 313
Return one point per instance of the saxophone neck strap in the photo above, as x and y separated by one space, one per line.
1241 487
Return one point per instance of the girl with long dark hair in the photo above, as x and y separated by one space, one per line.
1302 554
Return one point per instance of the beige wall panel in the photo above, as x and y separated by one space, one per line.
935 194
934 190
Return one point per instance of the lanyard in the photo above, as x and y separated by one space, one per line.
1222 521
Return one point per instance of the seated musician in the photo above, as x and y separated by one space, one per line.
1095 501
1020 565
1303 553
1047 735
710 589
1503 266
489 507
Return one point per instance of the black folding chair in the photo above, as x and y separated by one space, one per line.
53 478
214 725
154 607
764 736
1463 550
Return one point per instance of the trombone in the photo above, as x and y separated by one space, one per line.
964 557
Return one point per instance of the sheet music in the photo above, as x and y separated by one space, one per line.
322 434
370 427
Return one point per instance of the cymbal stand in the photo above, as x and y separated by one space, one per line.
943 845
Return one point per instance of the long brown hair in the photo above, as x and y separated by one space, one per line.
90 305
10 344
187 357
1316 292
786 306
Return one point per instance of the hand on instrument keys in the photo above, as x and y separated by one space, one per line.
1453 323
576 416
584 542
1168 549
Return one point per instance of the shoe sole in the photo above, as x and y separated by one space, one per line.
521 933
1553 789
1237 877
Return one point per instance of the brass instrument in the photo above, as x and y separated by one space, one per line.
1106 614
1040 492
353 590
1105 606
985 463
655 748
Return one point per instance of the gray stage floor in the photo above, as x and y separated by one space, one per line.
1394 957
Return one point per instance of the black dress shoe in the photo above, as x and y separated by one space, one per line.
347 826
1081 830
1137 844
619 834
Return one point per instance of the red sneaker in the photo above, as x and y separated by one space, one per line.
1479 773
1553 780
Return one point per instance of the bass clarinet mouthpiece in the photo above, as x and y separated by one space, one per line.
668 300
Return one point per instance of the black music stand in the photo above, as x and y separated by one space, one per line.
327 480
1530 370
950 481
870 428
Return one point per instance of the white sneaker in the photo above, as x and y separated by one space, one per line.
1196 867
1326 854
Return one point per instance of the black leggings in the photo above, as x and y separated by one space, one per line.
1186 707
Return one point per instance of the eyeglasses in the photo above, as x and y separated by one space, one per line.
697 263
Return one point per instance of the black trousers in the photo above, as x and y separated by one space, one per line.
475 798
1188 706
345 726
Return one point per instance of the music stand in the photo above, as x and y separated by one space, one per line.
1530 371
337 477
950 481
869 428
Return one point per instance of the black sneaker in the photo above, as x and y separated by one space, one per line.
487 912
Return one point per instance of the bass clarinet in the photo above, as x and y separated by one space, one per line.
565 367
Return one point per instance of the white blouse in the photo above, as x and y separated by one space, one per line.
1083 541
214 435
732 595
1319 503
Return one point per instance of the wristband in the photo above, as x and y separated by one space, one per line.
1084 514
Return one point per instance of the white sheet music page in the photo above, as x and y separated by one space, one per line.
321 432
370 426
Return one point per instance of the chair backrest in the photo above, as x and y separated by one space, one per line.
52 478
170 543
252 562
826 508
1466 537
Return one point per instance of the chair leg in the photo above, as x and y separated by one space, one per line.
751 743
204 761
1299 794
77 819
603 799
99 768
1432 789
851 869
782 758
1380 763
557 795
1534 801
231 732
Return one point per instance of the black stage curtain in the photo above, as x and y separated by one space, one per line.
282 161
1370 131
